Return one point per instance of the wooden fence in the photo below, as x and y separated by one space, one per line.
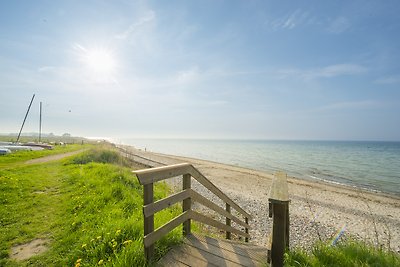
148 177
278 209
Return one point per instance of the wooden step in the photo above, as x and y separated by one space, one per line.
198 250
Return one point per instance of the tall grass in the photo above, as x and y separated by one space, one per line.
89 207
349 253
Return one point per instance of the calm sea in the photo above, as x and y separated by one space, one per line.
370 165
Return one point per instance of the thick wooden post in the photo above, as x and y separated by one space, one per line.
148 221
246 220
287 225
187 203
278 234
228 221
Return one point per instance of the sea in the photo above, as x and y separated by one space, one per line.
369 165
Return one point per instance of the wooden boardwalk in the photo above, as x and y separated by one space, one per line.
198 250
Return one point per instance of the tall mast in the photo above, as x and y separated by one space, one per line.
26 115
40 123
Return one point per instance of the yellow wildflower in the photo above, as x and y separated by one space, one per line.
126 242
83 245
78 264
78 260
118 232
100 262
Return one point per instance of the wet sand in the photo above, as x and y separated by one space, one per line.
318 210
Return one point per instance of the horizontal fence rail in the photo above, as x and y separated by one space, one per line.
148 177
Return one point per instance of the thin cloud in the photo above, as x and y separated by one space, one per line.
366 104
148 17
339 25
339 70
324 72
389 80
46 69
218 103
188 76
290 21
78 47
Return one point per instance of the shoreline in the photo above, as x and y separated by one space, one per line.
311 180
318 209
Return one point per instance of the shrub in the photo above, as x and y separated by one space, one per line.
100 155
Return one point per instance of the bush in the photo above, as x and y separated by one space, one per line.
100 155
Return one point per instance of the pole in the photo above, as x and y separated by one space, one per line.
40 123
26 115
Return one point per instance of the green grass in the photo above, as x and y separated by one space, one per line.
88 206
349 253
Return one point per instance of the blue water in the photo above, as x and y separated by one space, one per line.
369 165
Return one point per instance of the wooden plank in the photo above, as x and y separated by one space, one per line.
153 175
206 220
211 205
149 220
279 190
161 204
228 220
231 256
246 229
169 260
210 186
243 255
209 257
223 242
166 228
187 203
183 255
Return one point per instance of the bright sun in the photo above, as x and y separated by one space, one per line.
100 61
98 64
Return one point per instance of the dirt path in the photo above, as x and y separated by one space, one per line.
54 157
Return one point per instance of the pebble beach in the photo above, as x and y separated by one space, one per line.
318 210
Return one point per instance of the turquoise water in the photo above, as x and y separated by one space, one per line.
370 165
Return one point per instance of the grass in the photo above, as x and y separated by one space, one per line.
349 253
89 207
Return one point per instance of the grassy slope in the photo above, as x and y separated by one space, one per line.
91 213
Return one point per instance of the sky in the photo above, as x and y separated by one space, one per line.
308 70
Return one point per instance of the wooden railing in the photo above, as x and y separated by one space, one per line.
148 177
279 212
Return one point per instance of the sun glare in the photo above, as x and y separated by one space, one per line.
100 61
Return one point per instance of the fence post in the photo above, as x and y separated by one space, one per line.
246 220
148 221
187 203
287 225
228 221
278 234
